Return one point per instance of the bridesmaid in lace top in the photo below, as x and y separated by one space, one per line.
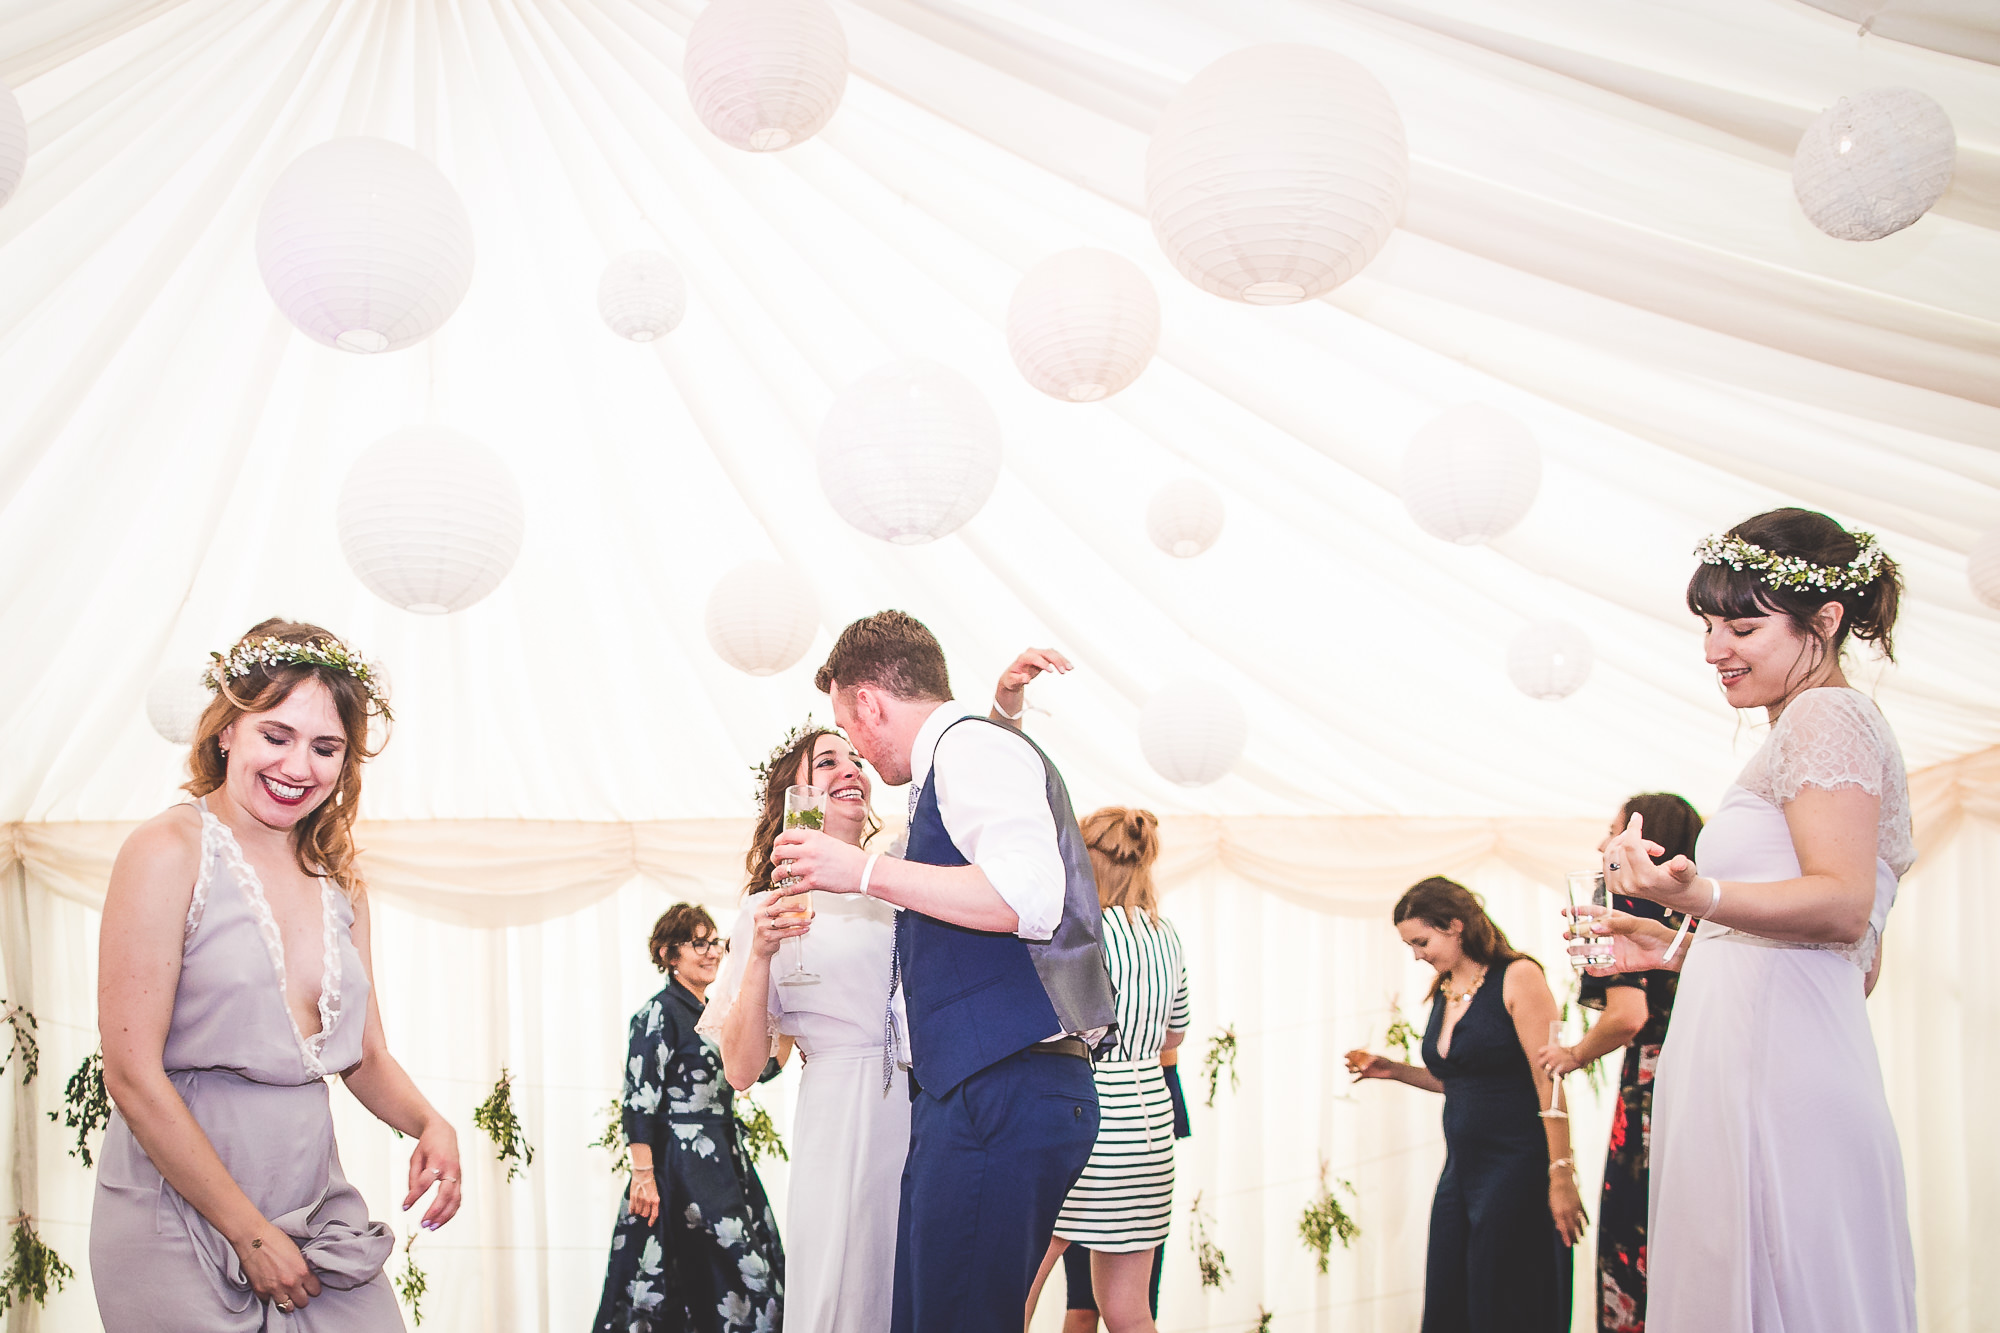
1777 1181
234 977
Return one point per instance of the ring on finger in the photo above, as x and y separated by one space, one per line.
285 1306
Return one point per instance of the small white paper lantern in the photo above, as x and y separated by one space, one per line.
365 245
1184 517
765 74
175 702
1471 474
1083 324
642 295
1982 569
1550 659
430 519
1276 174
1193 732
761 617
1874 163
13 143
909 452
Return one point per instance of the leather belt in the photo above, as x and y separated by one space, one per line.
1075 1046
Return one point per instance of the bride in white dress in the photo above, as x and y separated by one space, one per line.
1777 1181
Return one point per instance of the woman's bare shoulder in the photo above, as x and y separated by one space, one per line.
165 848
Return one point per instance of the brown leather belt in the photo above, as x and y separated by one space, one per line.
1075 1046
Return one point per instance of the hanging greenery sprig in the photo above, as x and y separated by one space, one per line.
1207 1254
760 1132
33 1269
1263 1321
496 1117
86 1105
612 1140
24 1051
1221 1055
413 1282
1325 1221
1401 1035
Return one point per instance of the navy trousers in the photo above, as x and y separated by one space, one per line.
989 1167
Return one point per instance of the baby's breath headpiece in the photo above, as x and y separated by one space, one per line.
1795 573
778 752
247 656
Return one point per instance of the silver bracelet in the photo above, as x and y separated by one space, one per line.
1562 1163
1011 717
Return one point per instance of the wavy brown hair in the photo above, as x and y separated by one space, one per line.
323 841
780 772
1124 843
1437 902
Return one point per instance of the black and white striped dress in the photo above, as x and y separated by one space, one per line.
1125 1197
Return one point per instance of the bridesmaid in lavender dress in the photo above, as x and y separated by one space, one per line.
234 978
1777 1181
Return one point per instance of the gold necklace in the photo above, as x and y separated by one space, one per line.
1444 984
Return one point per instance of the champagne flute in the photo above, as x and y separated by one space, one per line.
805 807
1586 889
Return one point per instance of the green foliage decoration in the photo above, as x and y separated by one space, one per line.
24 1051
1325 1221
1220 1056
1401 1035
612 1140
33 1269
86 1105
760 1132
496 1118
1207 1254
1263 1321
412 1282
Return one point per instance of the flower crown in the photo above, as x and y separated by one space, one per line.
1795 572
251 654
778 752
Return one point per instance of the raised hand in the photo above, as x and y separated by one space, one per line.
1638 944
1629 869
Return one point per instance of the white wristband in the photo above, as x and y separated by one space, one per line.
867 870
1011 717
1714 898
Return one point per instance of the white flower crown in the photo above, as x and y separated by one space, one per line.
270 652
1795 573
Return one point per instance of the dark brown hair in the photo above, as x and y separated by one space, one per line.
1670 821
780 773
1124 844
675 928
1438 902
322 841
892 651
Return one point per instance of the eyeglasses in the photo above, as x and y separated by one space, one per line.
713 944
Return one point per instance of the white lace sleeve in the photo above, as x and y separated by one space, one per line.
722 992
1828 738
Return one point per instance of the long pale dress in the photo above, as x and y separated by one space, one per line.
1778 1200
851 1129
257 1087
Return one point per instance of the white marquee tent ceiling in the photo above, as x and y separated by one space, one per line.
1601 238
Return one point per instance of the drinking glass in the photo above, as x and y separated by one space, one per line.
1586 889
805 807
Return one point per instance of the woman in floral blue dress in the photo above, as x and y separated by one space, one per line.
696 1248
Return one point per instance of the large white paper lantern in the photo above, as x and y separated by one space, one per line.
765 74
1982 569
909 452
13 143
1276 174
1550 659
1471 474
175 702
1874 163
1184 517
365 245
642 295
430 519
1192 732
761 617
1083 324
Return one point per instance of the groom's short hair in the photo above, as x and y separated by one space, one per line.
892 651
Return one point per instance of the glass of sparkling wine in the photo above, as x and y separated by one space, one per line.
805 807
1586 889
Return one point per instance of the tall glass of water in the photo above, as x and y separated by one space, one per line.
1586 889
805 807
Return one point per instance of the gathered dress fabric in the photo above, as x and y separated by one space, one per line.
1778 1200
1496 1262
256 1085
851 1129
712 1262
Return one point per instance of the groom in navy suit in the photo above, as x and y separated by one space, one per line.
1001 964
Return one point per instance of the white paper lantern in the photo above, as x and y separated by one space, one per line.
762 617
642 295
1184 517
13 143
765 74
1471 474
175 702
1192 732
1874 163
430 519
365 245
1550 659
1982 569
1083 324
909 452
1276 174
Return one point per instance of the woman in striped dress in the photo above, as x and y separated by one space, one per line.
1121 1204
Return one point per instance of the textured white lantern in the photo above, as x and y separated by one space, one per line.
1471 474
765 74
642 295
909 452
430 519
1982 568
1874 163
1184 517
1192 732
365 245
175 703
13 143
1550 659
1276 174
761 617
1083 324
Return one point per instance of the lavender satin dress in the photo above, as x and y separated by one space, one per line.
257 1087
